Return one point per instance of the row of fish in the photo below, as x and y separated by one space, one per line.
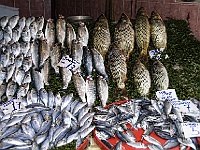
160 117
42 127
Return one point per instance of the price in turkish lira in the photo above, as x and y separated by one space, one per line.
169 94
191 129
12 106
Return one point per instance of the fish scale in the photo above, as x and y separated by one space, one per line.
124 35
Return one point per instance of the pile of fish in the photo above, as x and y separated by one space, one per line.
40 127
152 116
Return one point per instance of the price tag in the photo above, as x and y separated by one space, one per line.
155 54
12 105
191 129
184 106
69 63
167 94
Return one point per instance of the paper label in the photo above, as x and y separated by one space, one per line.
12 105
69 63
184 106
155 54
169 94
191 129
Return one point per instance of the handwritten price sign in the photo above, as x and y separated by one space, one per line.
12 105
184 106
69 63
169 94
155 54
191 129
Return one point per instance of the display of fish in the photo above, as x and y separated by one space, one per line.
101 35
142 79
142 33
158 31
118 66
124 35
159 75
61 30
83 34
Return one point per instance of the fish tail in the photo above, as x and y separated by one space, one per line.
143 56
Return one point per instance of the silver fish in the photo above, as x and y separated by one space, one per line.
87 60
18 61
43 95
38 80
11 89
77 51
66 77
2 74
83 34
61 30
16 34
44 52
27 63
15 48
1 34
3 88
4 21
90 91
55 56
45 71
33 30
19 75
27 77
23 90
50 32
12 22
102 89
70 35
5 55
34 47
24 46
10 71
26 35
21 22
40 23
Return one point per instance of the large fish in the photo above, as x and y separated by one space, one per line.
159 74
55 56
83 34
70 35
118 66
158 31
142 33
61 30
50 32
142 78
124 35
101 35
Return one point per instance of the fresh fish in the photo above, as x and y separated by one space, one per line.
24 46
101 35
90 91
77 51
11 59
50 32
102 89
33 30
18 61
159 75
43 52
61 30
4 21
21 22
7 34
19 75
38 79
10 71
23 90
70 35
87 60
80 85
98 63
11 89
40 22
29 20
158 31
3 73
45 71
66 77
5 55
124 35
26 34
16 34
142 78
27 63
187 142
12 22
34 47
118 66
3 88
170 144
83 34
40 35
43 96
55 56
142 33
137 145
1 34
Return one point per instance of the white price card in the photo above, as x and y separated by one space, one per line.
169 94
191 129
155 54
184 106
12 105
69 63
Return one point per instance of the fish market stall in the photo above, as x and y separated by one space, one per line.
64 82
